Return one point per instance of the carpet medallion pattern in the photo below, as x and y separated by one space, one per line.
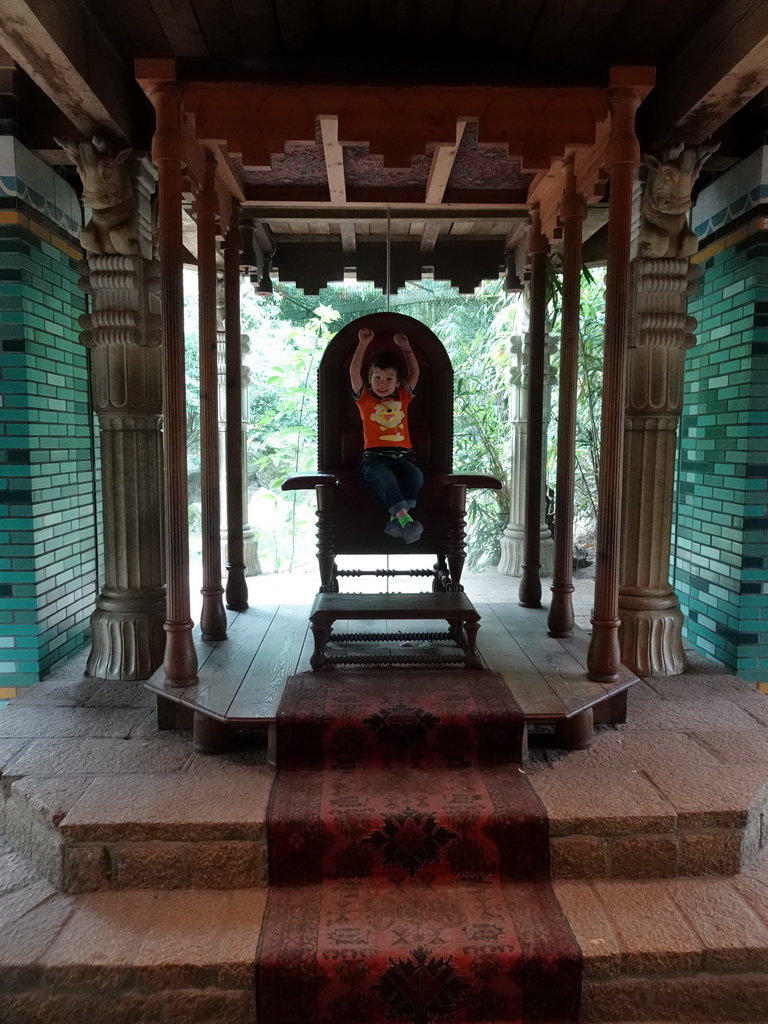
409 859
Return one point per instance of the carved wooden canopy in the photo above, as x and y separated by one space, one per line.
441 120
426 164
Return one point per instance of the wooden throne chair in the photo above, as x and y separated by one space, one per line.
351 519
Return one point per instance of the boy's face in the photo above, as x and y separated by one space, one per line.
383 382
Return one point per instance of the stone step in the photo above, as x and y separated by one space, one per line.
143 831
682 950
205 830
657 821
125 957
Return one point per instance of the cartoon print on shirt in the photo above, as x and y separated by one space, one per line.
389 415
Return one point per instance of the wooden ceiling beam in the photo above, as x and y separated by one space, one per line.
348 238
443 160
430 235
295 211
179 23
65 53
189 232
227 173
334 158
723 66
256 119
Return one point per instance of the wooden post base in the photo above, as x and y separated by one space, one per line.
612 711
576 732
209 735
172 715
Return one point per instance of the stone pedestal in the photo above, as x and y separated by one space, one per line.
250 541
513 538
650 634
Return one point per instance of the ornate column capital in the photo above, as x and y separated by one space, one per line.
667 198
118 185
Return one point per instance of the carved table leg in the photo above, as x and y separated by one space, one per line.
472 659
455 631
457 551
442 577
326 539
576 732
321 632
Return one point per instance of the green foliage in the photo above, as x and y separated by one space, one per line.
476 334
588 404
288 335
192 369
283 437
283 398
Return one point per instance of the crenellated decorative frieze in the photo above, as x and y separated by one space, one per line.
256 119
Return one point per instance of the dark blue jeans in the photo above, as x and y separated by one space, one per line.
397 481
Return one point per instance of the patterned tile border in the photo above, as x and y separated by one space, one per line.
731 239
25 221
30 180
733 195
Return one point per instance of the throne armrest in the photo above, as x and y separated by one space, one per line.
307 481
484 480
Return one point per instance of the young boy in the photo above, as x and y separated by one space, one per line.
388 463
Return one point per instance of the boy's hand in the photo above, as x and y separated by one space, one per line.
401 340
365 334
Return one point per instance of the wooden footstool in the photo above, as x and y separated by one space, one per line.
454 607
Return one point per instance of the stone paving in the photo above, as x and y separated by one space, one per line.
658 831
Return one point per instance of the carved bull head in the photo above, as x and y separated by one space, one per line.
100 165
671 177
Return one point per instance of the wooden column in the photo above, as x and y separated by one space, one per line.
529 593
621 159
168 154
237 588
213 616
573 210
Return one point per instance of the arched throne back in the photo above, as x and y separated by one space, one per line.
351 518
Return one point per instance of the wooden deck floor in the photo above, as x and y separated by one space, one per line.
241 679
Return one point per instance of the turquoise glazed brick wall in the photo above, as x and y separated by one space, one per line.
48 553
721 534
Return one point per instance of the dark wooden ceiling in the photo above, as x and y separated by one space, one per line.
710 56
537 35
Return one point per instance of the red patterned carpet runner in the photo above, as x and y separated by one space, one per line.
409 859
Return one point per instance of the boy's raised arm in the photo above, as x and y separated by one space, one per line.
364 339
411 363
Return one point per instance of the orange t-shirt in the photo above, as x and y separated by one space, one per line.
385 420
